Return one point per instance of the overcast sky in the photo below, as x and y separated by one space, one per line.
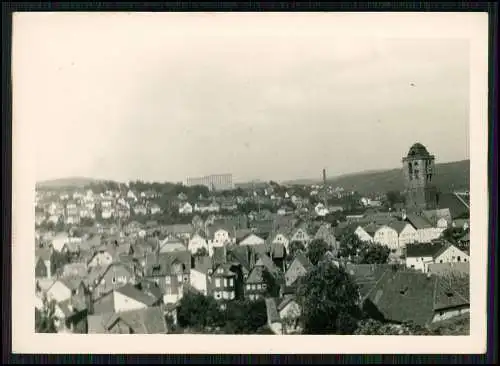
167 96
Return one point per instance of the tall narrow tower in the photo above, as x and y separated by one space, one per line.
418 173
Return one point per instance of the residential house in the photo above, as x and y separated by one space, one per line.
387 236
278 253
321 210
197 242
425 231
463 224
273 317
264 279
74 270
103 279
224 282
402 296
170 271
440 218
325 233
220 235
59 240
150 320
172 244
124 298
449 268
183 231
199 276
186 208
155 209
71 315
140 209
289 312
407 234
419 256
43 263
252 239
281 237
299 267
300 234
228 205
65 287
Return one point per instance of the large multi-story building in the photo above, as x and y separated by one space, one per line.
216 182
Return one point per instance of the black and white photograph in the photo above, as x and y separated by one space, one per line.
250 174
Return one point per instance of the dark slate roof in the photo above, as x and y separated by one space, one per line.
256 275
304 261
240 255
457 205
424 249
412 296
366 275
146 297
143 321
219 255
287 299
433 216
398 226
418 222
178 229
277 250
272 311
203 264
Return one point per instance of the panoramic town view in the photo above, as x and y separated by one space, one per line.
247 185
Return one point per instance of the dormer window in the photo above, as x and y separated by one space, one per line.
404 290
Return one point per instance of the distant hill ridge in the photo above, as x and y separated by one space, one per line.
448 176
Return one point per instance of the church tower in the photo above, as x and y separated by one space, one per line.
418 173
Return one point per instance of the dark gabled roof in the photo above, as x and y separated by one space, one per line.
418 222
143 321
287 299
219 255
277 250
371 228
203 264
256 275
44 254
398 226
457 205
146 297
161 264
424 249
240 255
227 272
266 262
178 229
433 216
404 296
304 261
447 295
272 311
366 275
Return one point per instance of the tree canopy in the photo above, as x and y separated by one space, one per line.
329 299
374 254
316 250
45 318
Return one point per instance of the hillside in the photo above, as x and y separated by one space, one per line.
71 182
448 176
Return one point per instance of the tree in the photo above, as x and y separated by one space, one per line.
375 327
201 252
374 254
45 318
198 311
328 298
316 250
295 246
394 197
350 245
245 317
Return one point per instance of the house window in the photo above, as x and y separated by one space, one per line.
217 282
259 286
249 287
458 259
225 282
231 282
264 286
441 261
217 295
412 266
186 278
113 280
167 280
